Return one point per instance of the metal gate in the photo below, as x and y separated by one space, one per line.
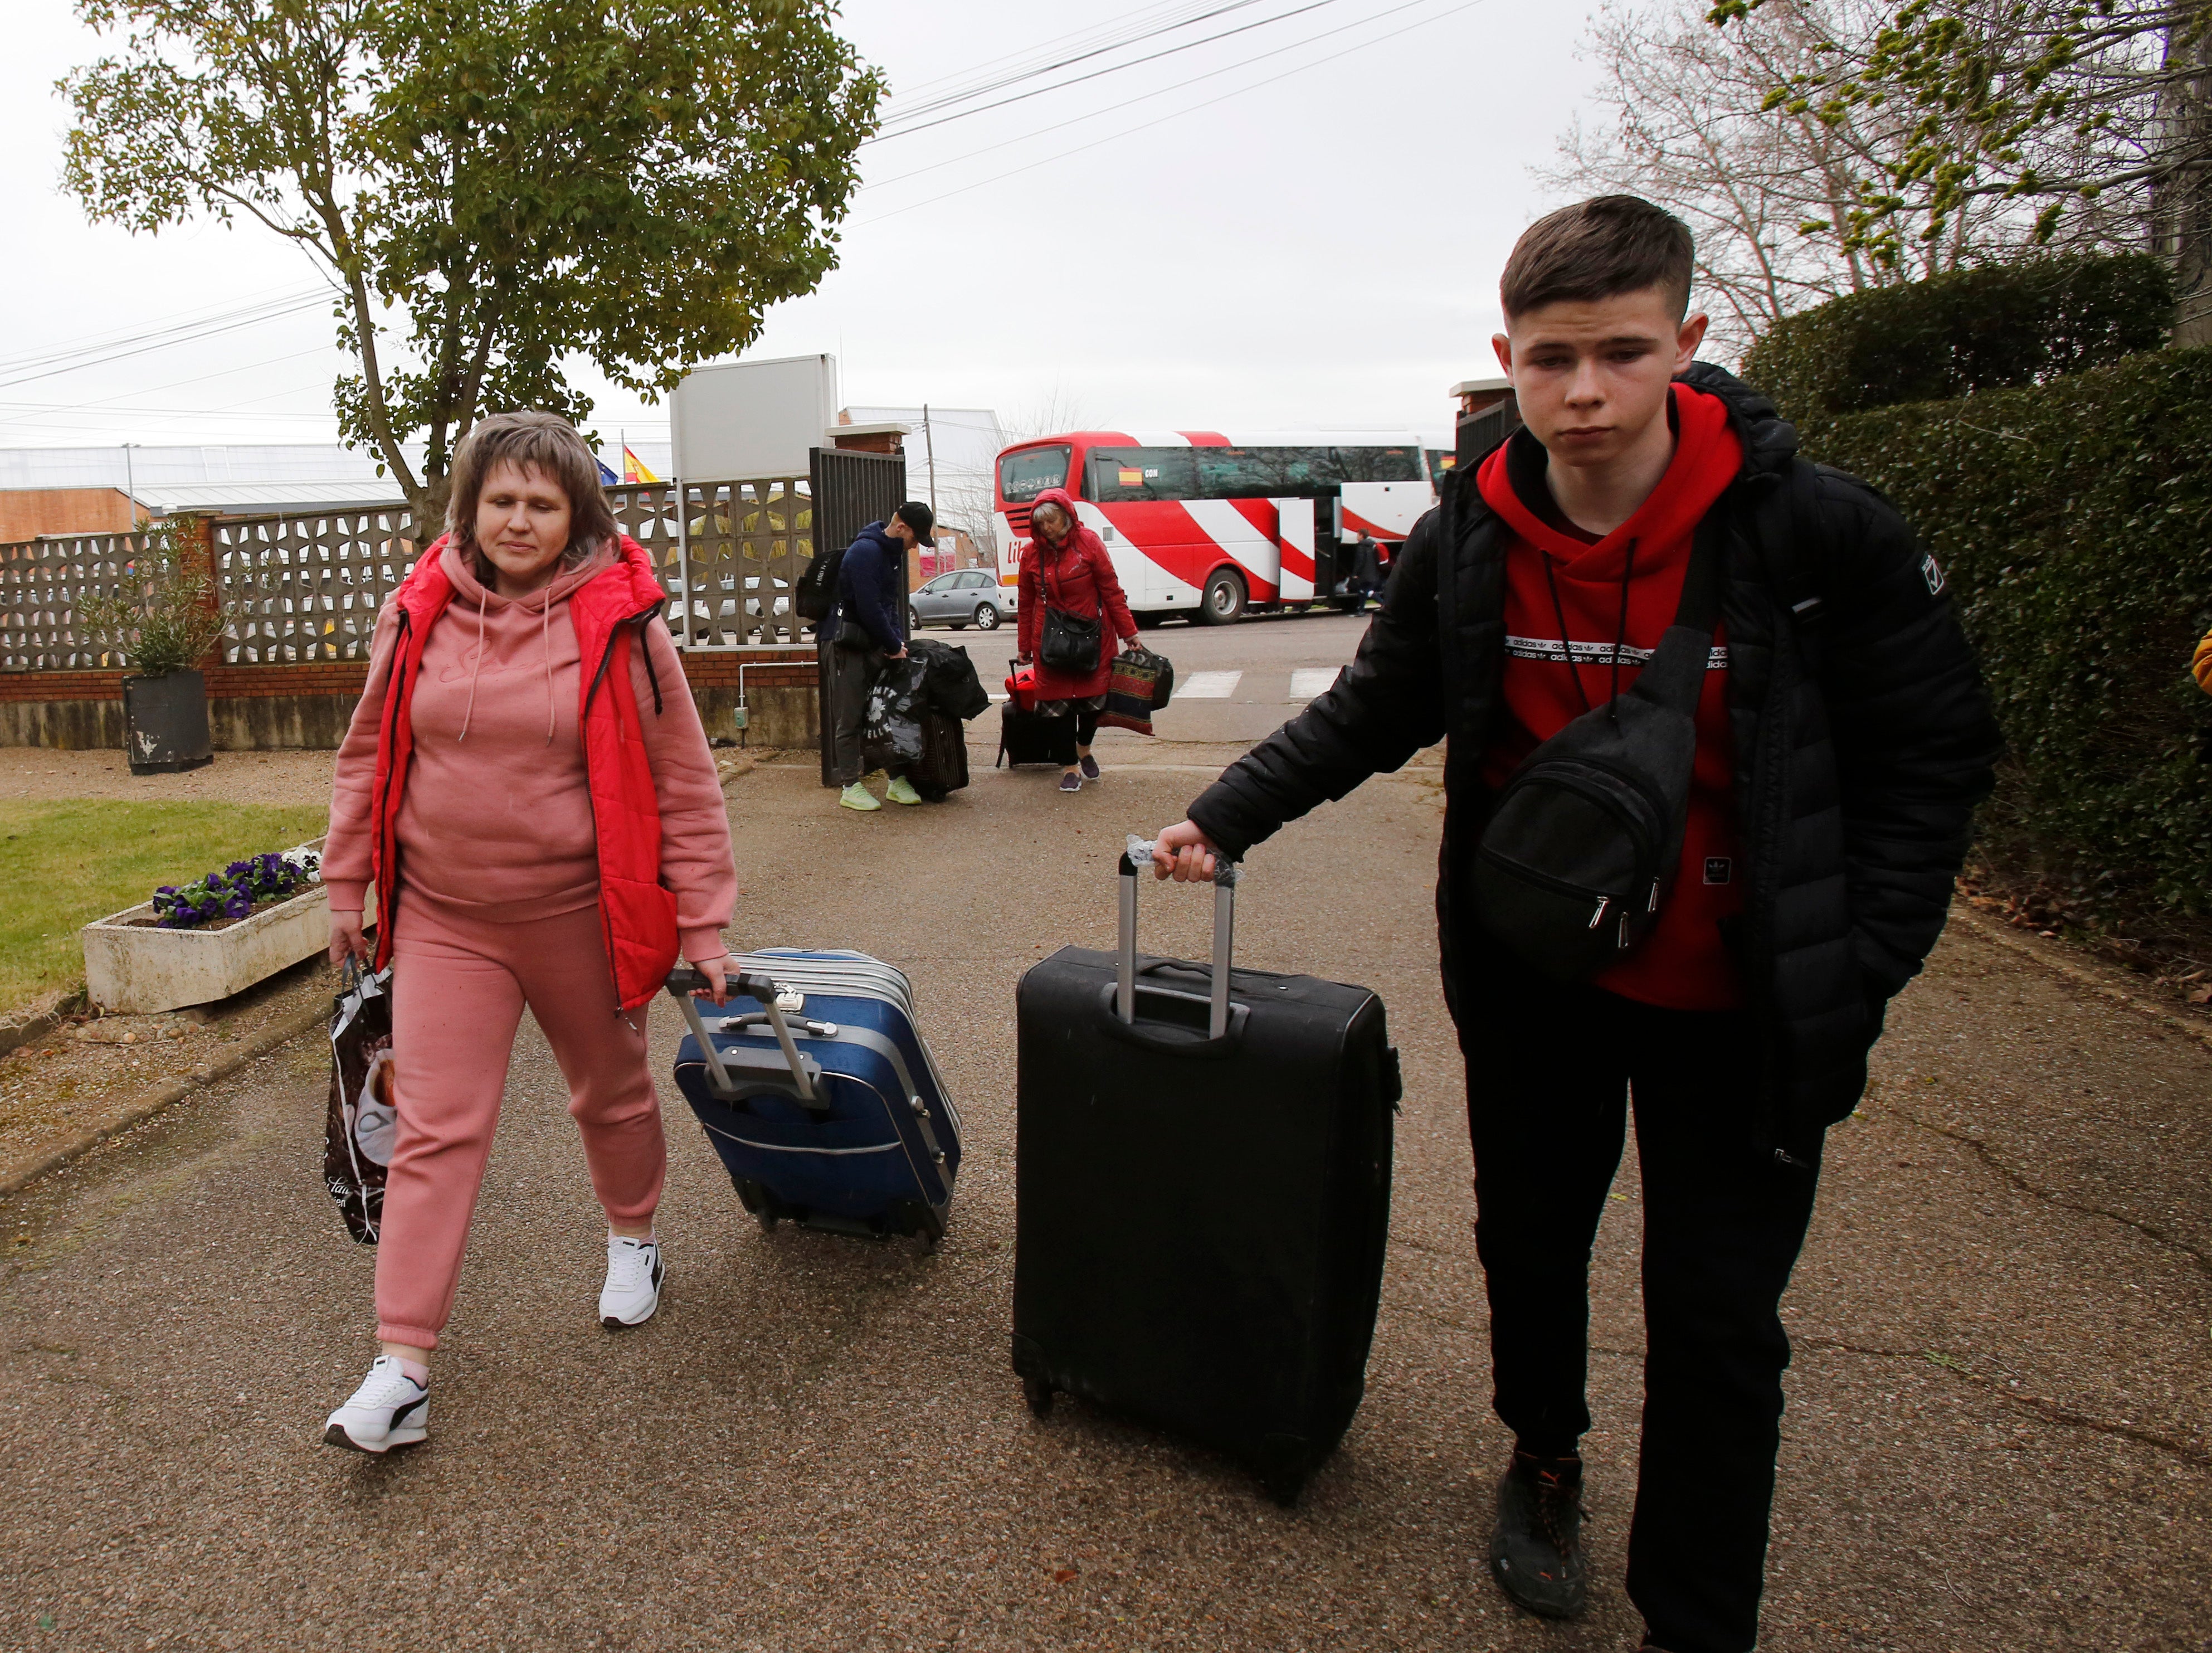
850 490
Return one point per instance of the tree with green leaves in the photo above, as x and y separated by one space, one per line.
2071 107
494 187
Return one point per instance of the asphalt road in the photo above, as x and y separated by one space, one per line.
1233 683
2000 1432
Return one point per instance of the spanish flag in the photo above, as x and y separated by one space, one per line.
634 469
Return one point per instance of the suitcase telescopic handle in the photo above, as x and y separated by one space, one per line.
1139 854
683 982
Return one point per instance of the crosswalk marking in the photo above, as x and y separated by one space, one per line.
1208 685
1312 680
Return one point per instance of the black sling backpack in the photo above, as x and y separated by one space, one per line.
1584 837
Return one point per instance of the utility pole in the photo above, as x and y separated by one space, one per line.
929 448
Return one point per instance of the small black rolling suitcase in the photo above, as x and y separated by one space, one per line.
1023 736
942 768
1202 1180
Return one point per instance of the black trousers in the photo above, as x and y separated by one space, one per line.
1550 1070
1078 728
856 671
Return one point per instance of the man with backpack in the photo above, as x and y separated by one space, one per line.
1714 739
864 626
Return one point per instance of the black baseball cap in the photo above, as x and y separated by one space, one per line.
918 517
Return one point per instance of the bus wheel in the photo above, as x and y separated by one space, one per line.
1224 599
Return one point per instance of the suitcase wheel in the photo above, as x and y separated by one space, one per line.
1285 1465
1038 1393
768 1221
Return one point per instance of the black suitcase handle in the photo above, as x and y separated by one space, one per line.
1172 1038
1225 936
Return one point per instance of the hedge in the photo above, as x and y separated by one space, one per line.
2074 522
1964 333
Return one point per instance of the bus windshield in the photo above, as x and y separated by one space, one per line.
1024 476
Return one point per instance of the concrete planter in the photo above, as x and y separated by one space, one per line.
139 970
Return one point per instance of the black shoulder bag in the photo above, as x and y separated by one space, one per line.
1583 838
1070 642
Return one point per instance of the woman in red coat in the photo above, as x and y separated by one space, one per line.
1068 568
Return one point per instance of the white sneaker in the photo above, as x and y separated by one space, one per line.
632 1293
389 1409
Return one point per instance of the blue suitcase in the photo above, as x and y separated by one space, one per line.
819 1095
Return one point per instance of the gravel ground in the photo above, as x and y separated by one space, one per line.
1998 1435
277 777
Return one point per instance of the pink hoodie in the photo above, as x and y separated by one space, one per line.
496 822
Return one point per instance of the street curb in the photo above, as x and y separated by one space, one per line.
153 1101
2000 934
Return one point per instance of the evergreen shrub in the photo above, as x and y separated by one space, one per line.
2073 521
1963 333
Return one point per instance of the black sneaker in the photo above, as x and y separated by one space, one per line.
1536 1554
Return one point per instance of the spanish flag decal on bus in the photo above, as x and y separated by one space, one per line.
1132 476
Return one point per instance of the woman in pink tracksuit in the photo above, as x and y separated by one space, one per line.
527 782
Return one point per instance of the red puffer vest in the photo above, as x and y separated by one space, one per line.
636 914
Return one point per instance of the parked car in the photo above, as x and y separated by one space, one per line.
961 598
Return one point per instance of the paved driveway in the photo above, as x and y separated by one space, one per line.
1997 1439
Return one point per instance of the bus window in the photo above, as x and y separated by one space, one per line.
1024 476
1119 475
1378 464
1254 473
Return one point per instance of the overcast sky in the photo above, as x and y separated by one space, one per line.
1299 225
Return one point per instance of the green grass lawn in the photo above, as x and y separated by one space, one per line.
64 864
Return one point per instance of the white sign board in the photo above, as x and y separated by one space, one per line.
746 421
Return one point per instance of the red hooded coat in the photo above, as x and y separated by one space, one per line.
1079 578
637 912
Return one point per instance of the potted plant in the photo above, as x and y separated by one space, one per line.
163 617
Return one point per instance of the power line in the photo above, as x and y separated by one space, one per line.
1176 114
1142 97
180 338
91 341
1111 68
1137 27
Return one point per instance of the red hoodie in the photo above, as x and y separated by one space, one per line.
1683 964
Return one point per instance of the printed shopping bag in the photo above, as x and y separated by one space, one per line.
362 1124
1139 686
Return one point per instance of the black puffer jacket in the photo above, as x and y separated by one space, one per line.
1863 740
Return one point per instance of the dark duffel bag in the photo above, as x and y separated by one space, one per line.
1202 1181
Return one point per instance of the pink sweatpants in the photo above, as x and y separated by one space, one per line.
458 986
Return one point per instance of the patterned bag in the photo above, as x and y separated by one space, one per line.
1140 685
362 1124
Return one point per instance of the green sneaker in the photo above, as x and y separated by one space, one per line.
857 796
902 791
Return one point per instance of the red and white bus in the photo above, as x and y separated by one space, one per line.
1210 524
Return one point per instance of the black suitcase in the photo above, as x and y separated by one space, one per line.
943 768
1202 1183
1024 738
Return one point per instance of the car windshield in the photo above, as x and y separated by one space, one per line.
1024 476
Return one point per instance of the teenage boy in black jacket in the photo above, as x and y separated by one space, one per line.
1843 739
